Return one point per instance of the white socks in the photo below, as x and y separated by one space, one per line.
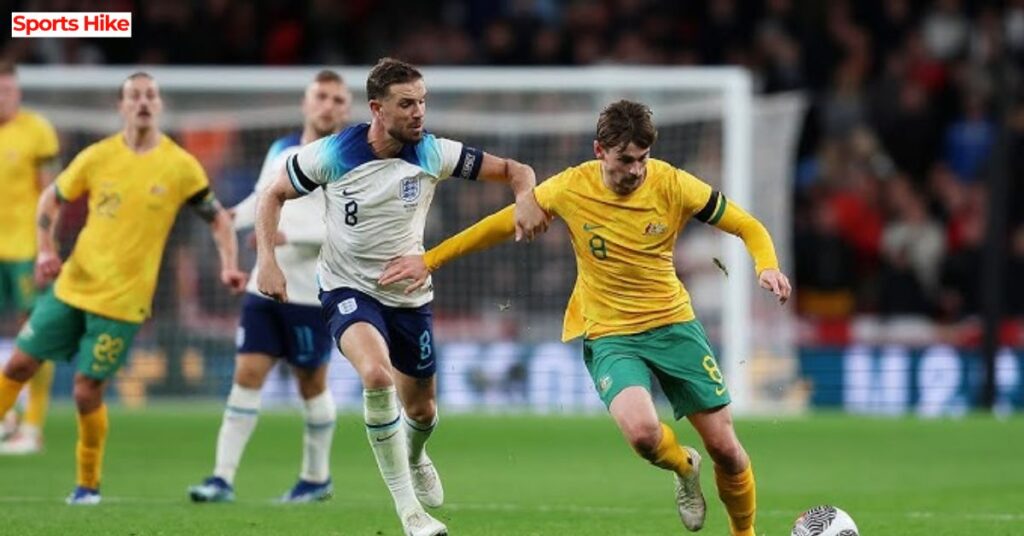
387 440
417 434
319 412
236 428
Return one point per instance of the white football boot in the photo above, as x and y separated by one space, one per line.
689 499
420 523
26 440
426 482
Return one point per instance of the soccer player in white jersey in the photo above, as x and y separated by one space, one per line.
379 179
293 330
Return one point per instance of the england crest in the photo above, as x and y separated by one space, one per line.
409 189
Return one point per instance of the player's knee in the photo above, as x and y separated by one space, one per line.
21 367
249 378
422 411
311 387
644 438
88 394
727 453
376 377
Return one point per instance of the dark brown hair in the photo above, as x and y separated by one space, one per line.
328 75
387 73
625 122
133 76
7 68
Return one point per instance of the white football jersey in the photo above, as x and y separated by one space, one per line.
302 223
376 207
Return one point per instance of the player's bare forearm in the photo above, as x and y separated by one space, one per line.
47 214
223 231
271 281
268 217
48 262
530 218
487 232
521 178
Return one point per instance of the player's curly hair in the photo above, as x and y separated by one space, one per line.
387 73
625 122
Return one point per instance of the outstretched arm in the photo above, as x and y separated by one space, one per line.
530 220
485 233
271 280
732 219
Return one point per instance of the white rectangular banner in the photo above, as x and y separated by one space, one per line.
71 24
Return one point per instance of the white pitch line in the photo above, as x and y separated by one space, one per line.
1002 517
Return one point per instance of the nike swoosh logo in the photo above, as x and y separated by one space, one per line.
719 390
424 366
590 227
348 193
383 439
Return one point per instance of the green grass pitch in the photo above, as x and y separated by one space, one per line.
518 475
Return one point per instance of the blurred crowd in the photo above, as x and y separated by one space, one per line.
909 99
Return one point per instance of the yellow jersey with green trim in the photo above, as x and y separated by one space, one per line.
626 280
133 200
27 141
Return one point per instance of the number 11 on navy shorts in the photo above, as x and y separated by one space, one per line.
285 330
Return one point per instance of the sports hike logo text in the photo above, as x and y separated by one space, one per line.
71 24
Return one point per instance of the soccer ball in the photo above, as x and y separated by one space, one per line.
825 520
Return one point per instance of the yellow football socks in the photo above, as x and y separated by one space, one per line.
670 455
740 498
39 395
9 390
92 437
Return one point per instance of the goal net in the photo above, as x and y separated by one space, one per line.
498 313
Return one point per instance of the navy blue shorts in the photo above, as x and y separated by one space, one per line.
294 332
408 331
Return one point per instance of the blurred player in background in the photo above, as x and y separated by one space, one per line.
135 180
624 212
293 330
28 163
379 180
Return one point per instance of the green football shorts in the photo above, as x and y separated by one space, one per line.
679 355
17 285
58 331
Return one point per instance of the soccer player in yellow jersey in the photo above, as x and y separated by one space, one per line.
624 211
28 162
135 180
